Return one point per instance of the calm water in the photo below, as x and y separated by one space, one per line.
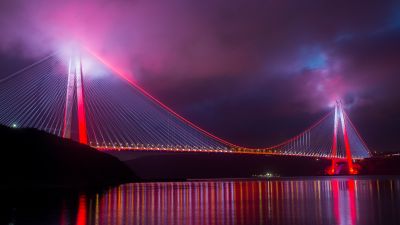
292 201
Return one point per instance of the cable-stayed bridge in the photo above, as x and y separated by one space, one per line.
88 100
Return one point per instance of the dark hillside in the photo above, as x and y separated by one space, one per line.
32 158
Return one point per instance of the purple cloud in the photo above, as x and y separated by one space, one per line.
263 59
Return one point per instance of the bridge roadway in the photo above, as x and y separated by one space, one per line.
247 151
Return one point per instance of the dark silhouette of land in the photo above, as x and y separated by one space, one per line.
31 158
170 165
381 165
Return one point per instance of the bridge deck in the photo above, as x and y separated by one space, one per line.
226 151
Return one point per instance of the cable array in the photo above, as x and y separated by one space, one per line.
122 116
35 97
317 141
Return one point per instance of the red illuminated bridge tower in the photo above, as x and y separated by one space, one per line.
339 122
75 91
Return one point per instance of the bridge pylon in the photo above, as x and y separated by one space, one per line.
339 120
75 87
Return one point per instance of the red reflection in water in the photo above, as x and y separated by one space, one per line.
223 203
344 202
81 216
336 203
352 201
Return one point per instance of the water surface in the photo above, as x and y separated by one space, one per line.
306 201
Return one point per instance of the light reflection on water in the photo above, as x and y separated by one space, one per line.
294 201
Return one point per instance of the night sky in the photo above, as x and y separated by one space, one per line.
252 72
